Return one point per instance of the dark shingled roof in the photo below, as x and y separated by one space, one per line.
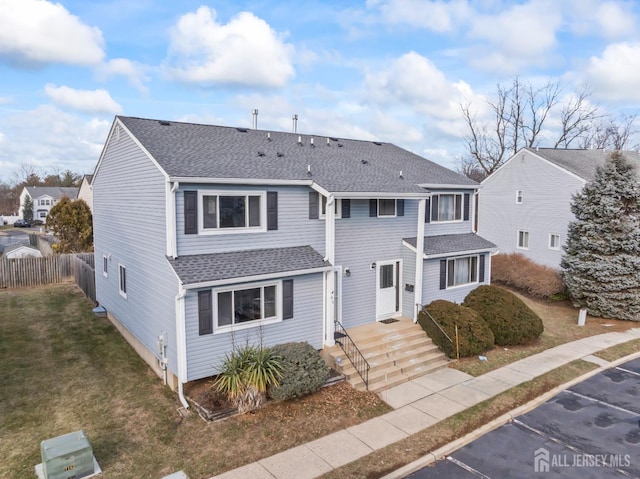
55 192
200 268
582 162
338 165
445 244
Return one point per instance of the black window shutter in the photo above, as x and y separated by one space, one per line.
272 210
434 208
481 268
205 316
287 299
443 274
314 205
373 208
400 207
467 197
427 211
346 208
190 212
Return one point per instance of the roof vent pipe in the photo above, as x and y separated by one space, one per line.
255 118
295 123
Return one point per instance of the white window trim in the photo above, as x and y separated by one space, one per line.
338 207
555 248
518 239
222 231
395 208
122 267
464 285
105 265
519 196
461 220
249 324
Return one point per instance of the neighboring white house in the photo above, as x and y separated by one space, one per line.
44 197
21 251
525 206
86 191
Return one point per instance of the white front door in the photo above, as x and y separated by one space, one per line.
387 291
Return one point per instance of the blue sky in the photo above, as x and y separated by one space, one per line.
390 70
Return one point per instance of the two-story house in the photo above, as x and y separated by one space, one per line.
43 198
224 235
525 206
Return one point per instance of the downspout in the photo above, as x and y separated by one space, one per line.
330 253
422 205
181 341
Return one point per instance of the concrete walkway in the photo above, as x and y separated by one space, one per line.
418 404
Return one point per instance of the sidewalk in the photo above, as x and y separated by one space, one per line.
418 404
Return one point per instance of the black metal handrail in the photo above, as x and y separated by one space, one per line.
352 352
438 325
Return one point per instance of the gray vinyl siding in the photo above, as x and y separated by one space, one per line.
431 282
408 277
545 208
205 353
128 224
294 226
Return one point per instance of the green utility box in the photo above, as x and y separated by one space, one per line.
67 457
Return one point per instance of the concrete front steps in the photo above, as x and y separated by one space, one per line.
396 352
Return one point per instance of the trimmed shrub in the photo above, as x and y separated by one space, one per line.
521 273
511 321
303 371
474 336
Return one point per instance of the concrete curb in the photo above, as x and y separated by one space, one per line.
453 446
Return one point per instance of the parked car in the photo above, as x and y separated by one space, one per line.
20 223
37 223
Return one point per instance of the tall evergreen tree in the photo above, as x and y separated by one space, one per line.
601 260
27 209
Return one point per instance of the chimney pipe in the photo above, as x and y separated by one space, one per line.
295 123
255 118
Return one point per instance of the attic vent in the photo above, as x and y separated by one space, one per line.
242 130
164 123
377 143
340 145
364 162
261 153
279 155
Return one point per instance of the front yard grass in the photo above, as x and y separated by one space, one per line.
560 321
62 369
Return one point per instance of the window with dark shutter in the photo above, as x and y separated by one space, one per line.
346 208
427 211
205 316
314 205
272 210
443 274
373 208
400 207
190 212
481 268
467 198
287 299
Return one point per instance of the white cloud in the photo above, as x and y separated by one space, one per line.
615 75
611 20
38 32
437 16
93 101
64 140
245 51
133 71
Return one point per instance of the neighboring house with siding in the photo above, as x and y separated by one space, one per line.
525 206
226 235
85 192
43 198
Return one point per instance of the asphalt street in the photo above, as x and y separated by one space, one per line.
591 430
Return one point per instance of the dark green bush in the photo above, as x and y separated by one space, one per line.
511 321
474 336
303 371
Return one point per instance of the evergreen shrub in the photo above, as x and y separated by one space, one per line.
303 371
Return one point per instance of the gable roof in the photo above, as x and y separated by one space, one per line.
582 162
15 247
55 192
194 151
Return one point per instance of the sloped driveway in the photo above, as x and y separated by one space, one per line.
591 430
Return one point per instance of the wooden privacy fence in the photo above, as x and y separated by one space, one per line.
23 272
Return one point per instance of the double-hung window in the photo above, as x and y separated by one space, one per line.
462 271
554 241
122 280
232 211
446 207
105 266
387 207
519 197
523 239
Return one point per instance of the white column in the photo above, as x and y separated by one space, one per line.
417 291
330 252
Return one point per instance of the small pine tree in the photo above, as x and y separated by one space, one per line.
601 258
27 209
72 224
